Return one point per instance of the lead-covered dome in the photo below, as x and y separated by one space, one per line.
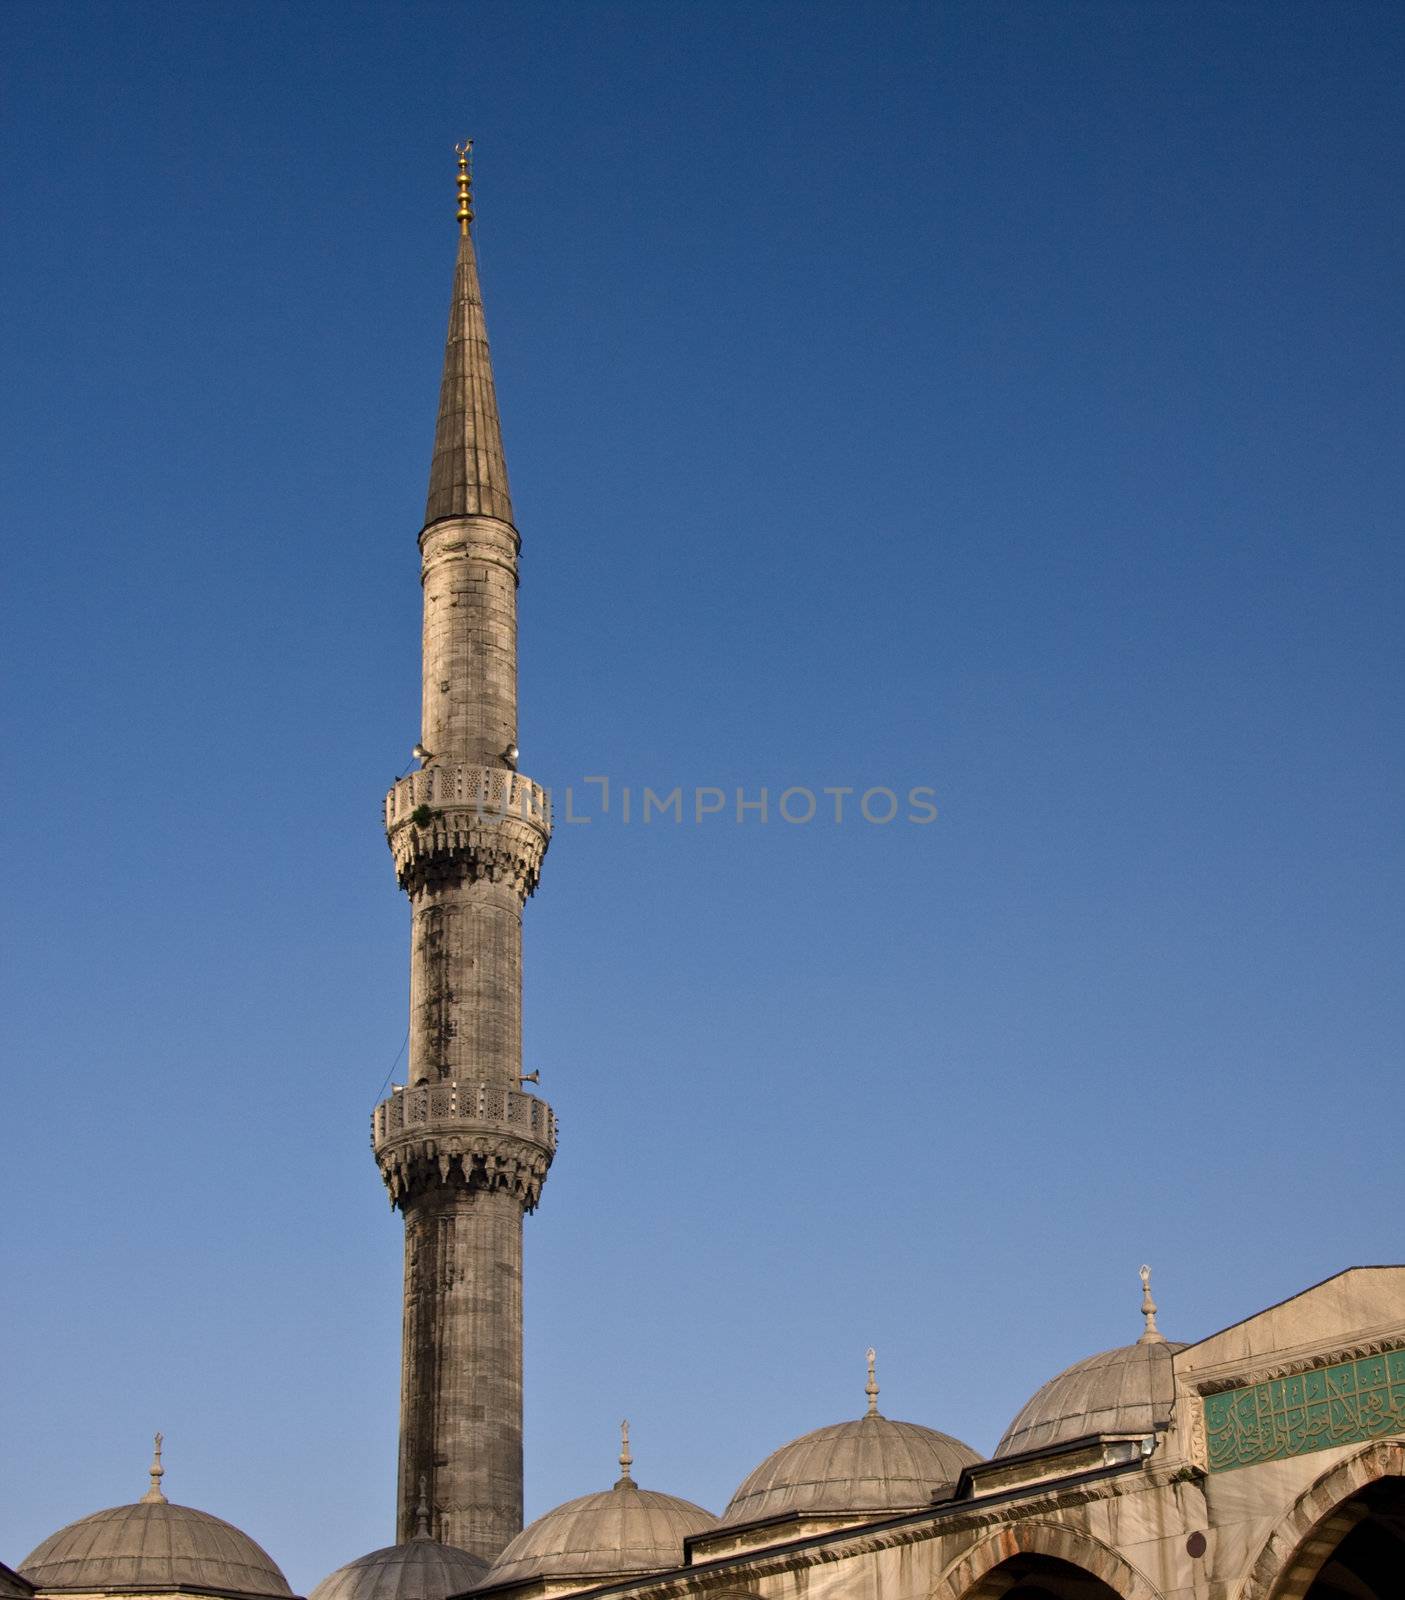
1128 1389
613 1533
419 1569
873 1464
153 1545
158 1545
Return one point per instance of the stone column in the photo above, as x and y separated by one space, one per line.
461 1380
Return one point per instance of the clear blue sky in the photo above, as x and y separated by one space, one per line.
1005 398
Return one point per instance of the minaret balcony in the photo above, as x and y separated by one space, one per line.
478 1135
452 819
491 791
494 1107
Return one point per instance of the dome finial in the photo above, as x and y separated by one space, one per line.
871 1387
422 1510
626 1460
1151 1334
464 152
153 1496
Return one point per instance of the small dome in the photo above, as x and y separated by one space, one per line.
873 1464
153 1545
612 1533
1126 1390
419 1569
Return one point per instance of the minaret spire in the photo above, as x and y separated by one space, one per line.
468 475
463 1150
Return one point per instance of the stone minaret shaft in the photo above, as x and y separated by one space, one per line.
462 1149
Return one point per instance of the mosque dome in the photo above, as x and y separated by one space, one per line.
1125 1390
153 1545
871 1464
419 1569
612 1533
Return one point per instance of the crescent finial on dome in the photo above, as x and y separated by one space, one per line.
871 1387
153 1496
1151 1334
626 1460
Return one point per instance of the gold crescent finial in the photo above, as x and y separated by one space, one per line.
871 1387
153 1496
626 1460
464 152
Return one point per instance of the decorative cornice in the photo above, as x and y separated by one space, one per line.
1245 1377
471 1160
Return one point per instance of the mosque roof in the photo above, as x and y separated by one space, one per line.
419 1569
611 1533
153 1545
1128 1389
870 1464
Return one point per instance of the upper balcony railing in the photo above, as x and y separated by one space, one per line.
493 1107
493 792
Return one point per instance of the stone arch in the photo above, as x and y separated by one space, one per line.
1316 1522
965 1578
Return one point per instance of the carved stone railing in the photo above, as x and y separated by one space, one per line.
454 820
446 1106
463 1135
491 792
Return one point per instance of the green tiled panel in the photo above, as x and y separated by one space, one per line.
1351 1403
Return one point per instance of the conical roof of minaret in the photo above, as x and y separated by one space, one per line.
468 475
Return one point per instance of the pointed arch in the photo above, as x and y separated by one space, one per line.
1316 1523
962 1580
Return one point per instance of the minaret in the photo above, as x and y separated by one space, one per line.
462 1149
